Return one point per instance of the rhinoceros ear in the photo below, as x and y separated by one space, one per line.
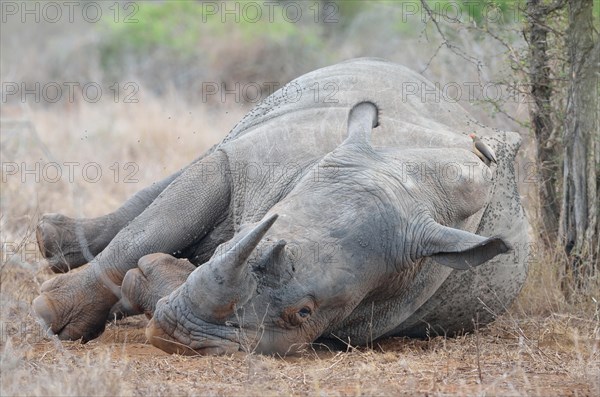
362 119
462 250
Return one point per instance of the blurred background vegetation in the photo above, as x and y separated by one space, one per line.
178 45
170 50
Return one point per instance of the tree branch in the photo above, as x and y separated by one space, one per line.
445 42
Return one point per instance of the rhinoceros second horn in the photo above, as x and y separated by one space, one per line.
225 281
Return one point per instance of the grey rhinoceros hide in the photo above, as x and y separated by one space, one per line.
299 124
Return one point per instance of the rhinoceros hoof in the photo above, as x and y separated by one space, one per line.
57 240
157 275
74 306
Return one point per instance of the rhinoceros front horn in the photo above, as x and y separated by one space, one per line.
225 282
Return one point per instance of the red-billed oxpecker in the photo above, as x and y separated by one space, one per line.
483 151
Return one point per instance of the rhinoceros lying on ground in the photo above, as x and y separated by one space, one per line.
347 218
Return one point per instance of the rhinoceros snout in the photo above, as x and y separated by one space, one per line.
160 339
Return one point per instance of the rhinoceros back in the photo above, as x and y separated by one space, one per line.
299 124
405 114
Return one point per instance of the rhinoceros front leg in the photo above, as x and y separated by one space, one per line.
67 243
76 305
157 275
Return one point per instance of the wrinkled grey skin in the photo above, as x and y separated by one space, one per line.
343 232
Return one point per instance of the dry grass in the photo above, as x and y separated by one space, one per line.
543 346
557 354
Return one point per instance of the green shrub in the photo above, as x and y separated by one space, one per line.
178 27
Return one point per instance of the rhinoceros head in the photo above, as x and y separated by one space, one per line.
334 241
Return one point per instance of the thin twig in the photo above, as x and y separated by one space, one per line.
455 49
477 348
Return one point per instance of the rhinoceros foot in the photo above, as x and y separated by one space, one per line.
157 275
63 242
75 305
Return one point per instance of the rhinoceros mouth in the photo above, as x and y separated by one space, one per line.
210 345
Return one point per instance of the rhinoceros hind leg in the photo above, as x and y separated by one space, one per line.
68 243
157 275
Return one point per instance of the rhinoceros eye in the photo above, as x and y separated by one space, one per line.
300 316
305 312
295 317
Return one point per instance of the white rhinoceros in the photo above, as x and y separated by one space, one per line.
349 216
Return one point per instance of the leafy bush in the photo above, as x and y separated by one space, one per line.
179 41
479 12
